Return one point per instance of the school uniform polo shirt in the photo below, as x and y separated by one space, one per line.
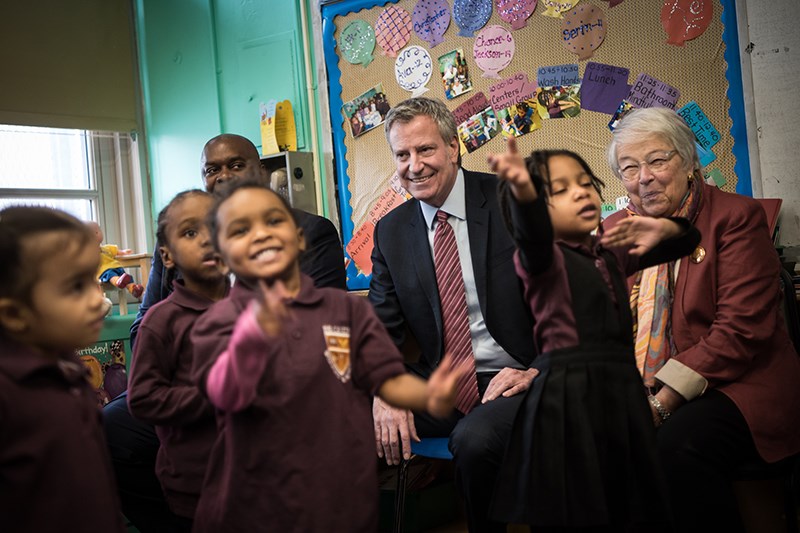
162 393
55 473
299 454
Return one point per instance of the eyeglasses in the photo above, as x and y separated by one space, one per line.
657 162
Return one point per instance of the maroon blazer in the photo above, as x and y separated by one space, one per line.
727 322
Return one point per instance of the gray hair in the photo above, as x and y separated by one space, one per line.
654 121
409 109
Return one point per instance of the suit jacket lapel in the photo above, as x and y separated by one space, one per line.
423 264
478 228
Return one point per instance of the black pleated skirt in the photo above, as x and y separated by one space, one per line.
582 453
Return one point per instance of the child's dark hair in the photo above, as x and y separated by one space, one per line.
539 170
18 224
161 232
211 221
161 227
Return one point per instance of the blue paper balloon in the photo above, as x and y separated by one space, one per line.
471 15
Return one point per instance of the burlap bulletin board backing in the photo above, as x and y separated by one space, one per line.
634 39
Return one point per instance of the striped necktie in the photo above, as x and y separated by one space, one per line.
455 318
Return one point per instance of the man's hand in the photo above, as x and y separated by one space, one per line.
508 382
389 423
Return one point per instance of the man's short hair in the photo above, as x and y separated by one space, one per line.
409 109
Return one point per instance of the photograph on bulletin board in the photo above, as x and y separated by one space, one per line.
639 64
367 111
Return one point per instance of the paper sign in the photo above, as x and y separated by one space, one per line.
583 30
493 50
558 75
285 131
360 246
516 12
511 90
412 69
269 142
471 15
393 30
554 8
607 209
604 87
431 19
716 175
357 42
622 202
705 132
650 92
473 106
683 20
706 157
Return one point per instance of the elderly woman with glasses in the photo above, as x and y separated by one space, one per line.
711 342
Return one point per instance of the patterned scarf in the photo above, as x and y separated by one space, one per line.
651 299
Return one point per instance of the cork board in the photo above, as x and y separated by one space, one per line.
635 39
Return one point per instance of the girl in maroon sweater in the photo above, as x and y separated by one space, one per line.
55 474
293 369
161 391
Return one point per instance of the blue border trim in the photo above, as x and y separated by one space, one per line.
735 94
355 281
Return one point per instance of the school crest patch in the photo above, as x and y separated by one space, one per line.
337 342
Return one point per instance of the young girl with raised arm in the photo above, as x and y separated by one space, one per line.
582 454
161 391
55 473
294 377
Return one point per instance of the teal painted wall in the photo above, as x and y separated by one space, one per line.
205 67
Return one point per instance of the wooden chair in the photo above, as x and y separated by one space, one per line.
140 261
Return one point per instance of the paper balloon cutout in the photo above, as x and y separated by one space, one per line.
583 30
516 12
393 30
431 19
412 69
683 20
471 15
612 3
554 8
493 50
357 41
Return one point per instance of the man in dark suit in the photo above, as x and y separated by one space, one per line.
423 139
133 444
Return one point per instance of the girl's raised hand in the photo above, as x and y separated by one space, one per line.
442 386
642 234
510 166
271 310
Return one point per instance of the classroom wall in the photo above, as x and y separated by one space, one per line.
206 65
774 88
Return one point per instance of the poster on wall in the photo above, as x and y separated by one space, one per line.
514 101
366 111
477 122
455 73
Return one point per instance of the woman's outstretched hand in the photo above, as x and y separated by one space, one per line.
510 166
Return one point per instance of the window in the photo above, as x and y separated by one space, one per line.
93 175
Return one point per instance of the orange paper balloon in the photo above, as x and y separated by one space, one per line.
683 20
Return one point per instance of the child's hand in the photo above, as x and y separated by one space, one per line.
442 386
510 166
271 311
642 234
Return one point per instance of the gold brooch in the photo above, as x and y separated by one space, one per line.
698 255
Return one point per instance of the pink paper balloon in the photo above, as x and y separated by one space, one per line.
431 19
393 30
493 50
683 20
583 30
516 12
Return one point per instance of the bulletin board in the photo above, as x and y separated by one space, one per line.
705 70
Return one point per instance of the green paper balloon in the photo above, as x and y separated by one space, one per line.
357 42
